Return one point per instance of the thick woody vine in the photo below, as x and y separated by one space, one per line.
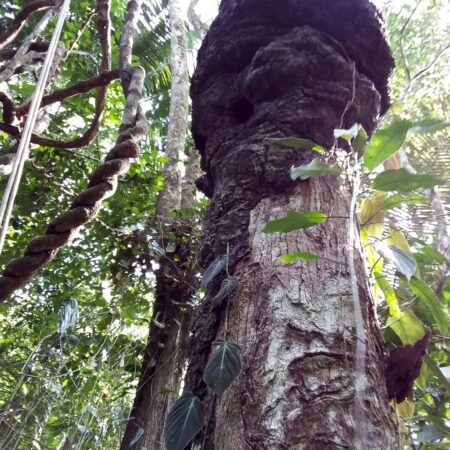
103 182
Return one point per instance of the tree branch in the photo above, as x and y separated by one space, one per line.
7 54
21 19
80 88
23 54
402 34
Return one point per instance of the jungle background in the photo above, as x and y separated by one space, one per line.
72 340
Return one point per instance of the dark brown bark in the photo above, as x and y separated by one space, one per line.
165 354
82 87
8 107
273 69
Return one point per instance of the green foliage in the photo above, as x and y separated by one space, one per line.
298 143
217 266
294 221
403 262
184 421
397 200
403 181
76 373
226 288
315 168
294 257
385 142
223 367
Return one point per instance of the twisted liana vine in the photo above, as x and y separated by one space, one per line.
103 181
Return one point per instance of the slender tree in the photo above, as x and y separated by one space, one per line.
311 349
165 353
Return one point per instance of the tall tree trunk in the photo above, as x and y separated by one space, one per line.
165 353
276 69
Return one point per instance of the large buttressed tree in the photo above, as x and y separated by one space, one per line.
311 349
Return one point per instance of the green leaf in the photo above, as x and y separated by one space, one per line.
360 141
223 368
428 255
371 216
315 168
389 294
227 287
294 257
294 221
385 142
429 125
293 142
403 181
399 199
437 372
184 421
404 263
423 291
213 270
347 134
406 408
407 327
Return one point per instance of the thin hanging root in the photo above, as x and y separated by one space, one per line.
102 182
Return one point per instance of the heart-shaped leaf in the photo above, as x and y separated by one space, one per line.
294 221
223 367
293 142
213 270
227 287
294 257
184 421
403 181
315 168
404 263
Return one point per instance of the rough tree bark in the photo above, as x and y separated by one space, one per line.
273 69
165 353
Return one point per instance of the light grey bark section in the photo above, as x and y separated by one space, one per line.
200 27
170 197
192 172
302 352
